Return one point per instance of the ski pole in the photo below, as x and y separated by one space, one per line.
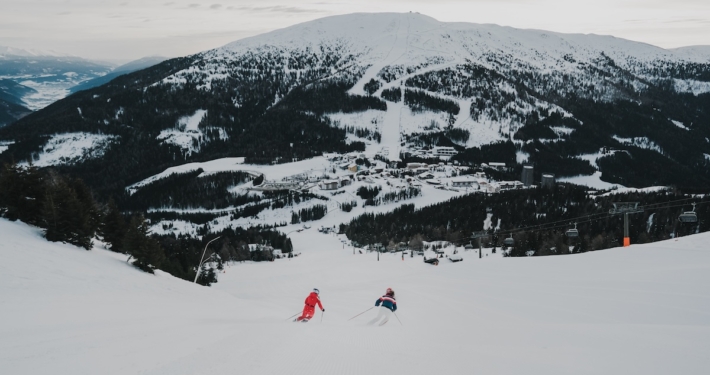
361 313
293 315
395 315
321 315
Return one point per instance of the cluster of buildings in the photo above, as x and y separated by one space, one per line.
336 183
442 175
436 152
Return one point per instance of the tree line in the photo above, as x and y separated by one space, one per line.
457 218
67 210
316 212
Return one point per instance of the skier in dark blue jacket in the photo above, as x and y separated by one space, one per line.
389 306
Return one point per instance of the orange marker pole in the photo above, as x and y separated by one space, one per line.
627 240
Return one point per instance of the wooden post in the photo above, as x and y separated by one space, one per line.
480 248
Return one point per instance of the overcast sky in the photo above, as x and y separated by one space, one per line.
123 30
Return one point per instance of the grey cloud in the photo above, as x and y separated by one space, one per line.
674 21
193 5
215 6
279 9
169 3
688 20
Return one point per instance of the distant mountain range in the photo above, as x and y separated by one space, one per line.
121 70
40 78
12 107
394 84
30 79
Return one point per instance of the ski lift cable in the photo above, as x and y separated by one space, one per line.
582 219
589 218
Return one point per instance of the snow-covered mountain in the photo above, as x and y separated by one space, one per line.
397 84
463 63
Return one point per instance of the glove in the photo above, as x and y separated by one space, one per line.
323 310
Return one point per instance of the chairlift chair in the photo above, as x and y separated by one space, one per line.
688 216
572 232
509 241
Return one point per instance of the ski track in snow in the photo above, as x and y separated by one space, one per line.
643 309
391 125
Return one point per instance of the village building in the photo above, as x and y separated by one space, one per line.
416 165
510 185
464 182
344 181
496 165
329 184
444 151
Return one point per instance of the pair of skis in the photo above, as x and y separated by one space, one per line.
383 323
323 313
305 320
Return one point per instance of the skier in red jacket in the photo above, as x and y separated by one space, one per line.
309 309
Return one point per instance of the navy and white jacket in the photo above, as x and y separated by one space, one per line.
388 302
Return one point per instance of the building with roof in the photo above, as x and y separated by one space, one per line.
527 176
464 181
548 180
444 151
329 184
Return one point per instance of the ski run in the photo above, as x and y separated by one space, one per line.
638 310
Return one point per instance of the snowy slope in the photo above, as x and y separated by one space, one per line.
642 309
80 312
390 38
72 148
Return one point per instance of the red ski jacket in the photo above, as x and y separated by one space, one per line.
312 300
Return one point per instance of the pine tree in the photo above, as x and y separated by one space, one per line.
21 193
113 227
64 216
287 246
147 252
89 207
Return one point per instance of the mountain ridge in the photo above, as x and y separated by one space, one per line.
404 82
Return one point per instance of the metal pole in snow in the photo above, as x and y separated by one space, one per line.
361 313
293 315
627 242
199 267
395 315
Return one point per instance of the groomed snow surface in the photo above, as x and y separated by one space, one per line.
639 310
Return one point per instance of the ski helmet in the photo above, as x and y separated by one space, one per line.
316 290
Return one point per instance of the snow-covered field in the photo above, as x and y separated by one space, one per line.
593 181
187 134
4 146
639 310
